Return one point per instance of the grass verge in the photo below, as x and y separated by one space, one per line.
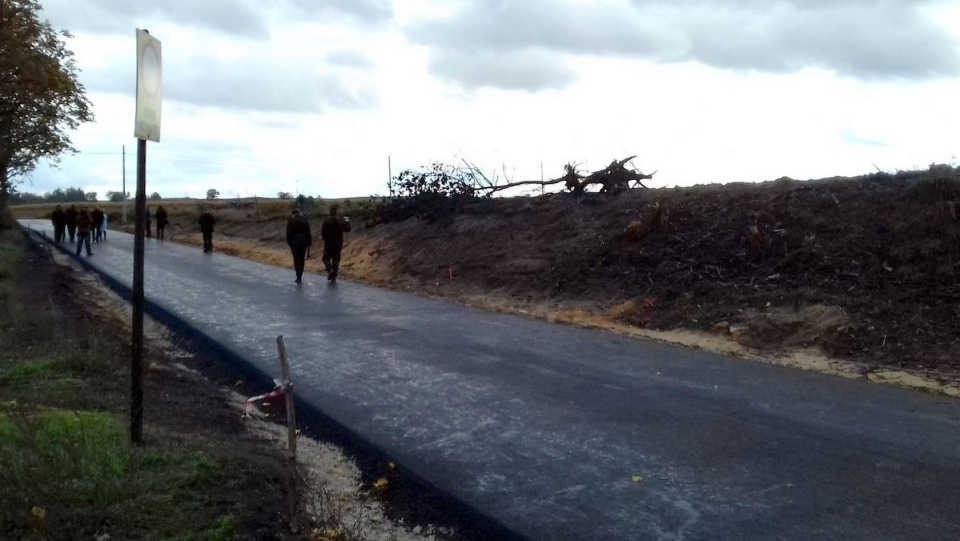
66 466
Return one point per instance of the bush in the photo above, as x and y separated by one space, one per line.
436 194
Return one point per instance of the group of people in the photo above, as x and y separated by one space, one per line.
163 219
80 225
83 224
300 238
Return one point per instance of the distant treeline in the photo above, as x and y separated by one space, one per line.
69 195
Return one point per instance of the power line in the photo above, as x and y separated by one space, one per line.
245 161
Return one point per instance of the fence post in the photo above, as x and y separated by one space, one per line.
291 434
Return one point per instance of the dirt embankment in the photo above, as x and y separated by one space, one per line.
862 270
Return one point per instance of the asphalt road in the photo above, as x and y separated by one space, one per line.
563 433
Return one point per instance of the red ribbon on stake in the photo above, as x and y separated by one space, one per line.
280 389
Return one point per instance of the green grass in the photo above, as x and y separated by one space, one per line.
67 470
30 371
61 378
224 529
10 258
79 468
8 430
64 452
70 464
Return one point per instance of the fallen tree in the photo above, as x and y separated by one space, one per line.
442 190
613 179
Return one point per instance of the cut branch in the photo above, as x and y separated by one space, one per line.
614 178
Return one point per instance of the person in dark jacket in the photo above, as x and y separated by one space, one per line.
332 232
162 221
299 239
84 226
206 228
71 219
96 218
59 219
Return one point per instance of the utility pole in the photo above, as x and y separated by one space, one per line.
124 192
389 176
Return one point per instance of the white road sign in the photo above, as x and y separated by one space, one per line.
149 87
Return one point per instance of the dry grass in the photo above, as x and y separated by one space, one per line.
335 500
624 310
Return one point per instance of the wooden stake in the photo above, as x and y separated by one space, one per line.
291 434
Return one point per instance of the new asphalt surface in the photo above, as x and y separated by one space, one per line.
556 432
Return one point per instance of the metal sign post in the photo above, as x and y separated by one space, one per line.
149 85
136 366
123 149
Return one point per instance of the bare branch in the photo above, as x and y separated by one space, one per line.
615 178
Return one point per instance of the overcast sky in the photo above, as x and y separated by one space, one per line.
312 96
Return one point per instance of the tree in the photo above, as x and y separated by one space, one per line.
64 196
284 195
73 194
40 96
58 196
117 197
212 193
90 196
25 198
155 196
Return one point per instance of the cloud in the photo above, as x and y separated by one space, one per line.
229 74
882 40
514 45
855 138
234 17
562 25
242 85
261 85
242 18
349 59
530 70
372 11
214 54
855 38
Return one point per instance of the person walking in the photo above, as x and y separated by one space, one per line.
71 220
103 227
332 232
162 221
206 228
96 217
59 219
299 239
84 225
